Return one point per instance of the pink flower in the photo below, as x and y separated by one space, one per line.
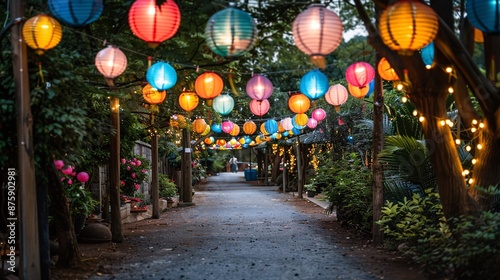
68 170
133 175
122 182
62 179
132 163
138 163
128 168
124 161
136 186
70 182
59 164
144 171
73 173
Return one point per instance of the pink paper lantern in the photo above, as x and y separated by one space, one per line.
336 95
318 114
82 177
359 74
286 123
58 164
312 123
227 126
259 107
259 88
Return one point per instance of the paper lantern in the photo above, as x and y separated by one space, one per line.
259 107
314 84
312 123
296 131
318 114
371 88
199 125
177 121
299 103
358 92
317 32
227 126
259 87
42 33
287 123
221 142
249 127
209 140
271 126
206 131
230 32
188 100
263 129
478 36
223 104
408 25
235 131
427 55
300 120
386 71
110 62
484 15
161 76
152 95
208 85
154 23
76 12
336 96
359 74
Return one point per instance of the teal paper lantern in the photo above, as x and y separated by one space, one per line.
484 15
296 131
314 84
230 32
216 127
427 54
76 12
271 126
223 104
161 76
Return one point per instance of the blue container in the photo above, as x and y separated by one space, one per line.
251 175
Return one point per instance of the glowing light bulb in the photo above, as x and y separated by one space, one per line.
451 90
404 99
474 122
421 119
442 122
479 146
415 113
481 125
457 141
473 130
428 66
471 181
449 69
466 172
473 161
399 86
468 148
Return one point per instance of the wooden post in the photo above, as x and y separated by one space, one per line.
299 168
26 217
114 173
155 191
187 196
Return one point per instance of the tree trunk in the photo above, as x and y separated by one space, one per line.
377 170
114 174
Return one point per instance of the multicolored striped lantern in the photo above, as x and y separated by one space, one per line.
314 84
408 25
154 23
359 74
259 107
230 32
223 104
161 75
76 13
317 32
259 88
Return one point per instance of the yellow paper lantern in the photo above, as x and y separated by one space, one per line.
263 129
407 26
386 71
41 33
199 125
357 91
188 100
206 131
235 131
152 95
301 119
249 127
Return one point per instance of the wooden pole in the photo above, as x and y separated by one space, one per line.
299 168
114 173
187 196
155 191
26 216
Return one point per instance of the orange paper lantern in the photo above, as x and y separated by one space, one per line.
385 70
199 125
249 127
188 100
299 103
208 85
357 91
152 95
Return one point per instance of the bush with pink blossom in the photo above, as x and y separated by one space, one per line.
133 172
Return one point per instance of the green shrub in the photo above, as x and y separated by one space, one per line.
166 186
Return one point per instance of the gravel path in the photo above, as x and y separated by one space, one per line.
237 231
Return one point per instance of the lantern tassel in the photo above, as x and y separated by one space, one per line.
337 109
319 61
231 82
40 72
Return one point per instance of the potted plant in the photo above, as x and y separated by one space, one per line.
311 189
168 189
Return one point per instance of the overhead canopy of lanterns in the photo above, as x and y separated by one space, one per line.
230 33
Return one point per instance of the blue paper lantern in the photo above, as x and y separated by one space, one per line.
484 15
296 131
161 76
230 32
216 127
314 84
427 54
371 88
76 12
271 126
223 104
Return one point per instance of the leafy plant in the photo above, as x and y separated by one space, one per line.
167 186
133 173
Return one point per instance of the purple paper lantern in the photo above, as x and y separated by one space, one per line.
259 87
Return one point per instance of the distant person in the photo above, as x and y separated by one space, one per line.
233 162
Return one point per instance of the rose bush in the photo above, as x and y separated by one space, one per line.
133 172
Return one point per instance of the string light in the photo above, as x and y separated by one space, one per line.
481 125
449 69
474 161
474 122
421 119
468 148
457 141
471 181
473 129
404 99
415 113
451 90
442 122
479 146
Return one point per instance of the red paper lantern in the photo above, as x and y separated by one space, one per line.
359 74
208 85
259 88
299 103
259 107
153 23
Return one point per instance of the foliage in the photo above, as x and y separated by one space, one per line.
80 199
133 173
351 192
166 186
